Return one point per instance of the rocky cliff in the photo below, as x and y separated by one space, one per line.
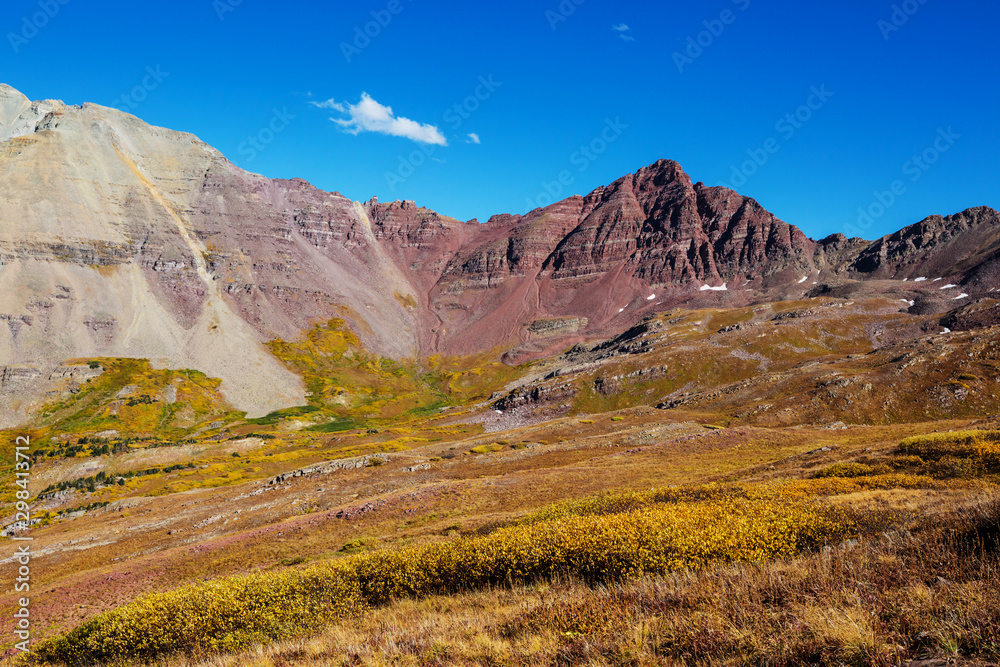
966 244
122 239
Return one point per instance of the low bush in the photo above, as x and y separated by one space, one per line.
957 443
981 449
233 612
852 469
218 615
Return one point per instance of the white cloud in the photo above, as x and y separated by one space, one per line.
473 138
328 104
370 116
622 30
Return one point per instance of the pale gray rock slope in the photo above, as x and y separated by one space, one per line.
19 115
119 239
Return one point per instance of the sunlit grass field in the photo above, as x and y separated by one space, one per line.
607 541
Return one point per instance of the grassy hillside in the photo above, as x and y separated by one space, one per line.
799 483
356 387
614 540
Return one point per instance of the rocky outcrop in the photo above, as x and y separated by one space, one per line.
964 245
557 326
664 230
548 392
977 315
19 116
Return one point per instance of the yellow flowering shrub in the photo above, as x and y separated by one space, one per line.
981 447
216 615
776 491
920 461
232 612
853 469
831 486
624 502
603 548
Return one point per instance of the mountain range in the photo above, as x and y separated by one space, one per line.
120 239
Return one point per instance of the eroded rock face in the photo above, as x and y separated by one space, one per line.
122 239
668 231
964 244
649 240
19 116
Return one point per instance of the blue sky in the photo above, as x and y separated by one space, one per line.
562 97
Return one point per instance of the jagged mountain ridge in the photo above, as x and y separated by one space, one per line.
122 239
966 244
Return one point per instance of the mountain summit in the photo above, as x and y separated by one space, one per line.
120 239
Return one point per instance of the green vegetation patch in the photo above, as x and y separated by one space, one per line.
134 399
346 381
487 449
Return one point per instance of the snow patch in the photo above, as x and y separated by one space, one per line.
908 301
948 286
621 310
961 296
920 279
650 297
706 288
804 278
935 280
946 330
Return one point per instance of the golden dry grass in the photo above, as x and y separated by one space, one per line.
927 590
596 540
231 613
